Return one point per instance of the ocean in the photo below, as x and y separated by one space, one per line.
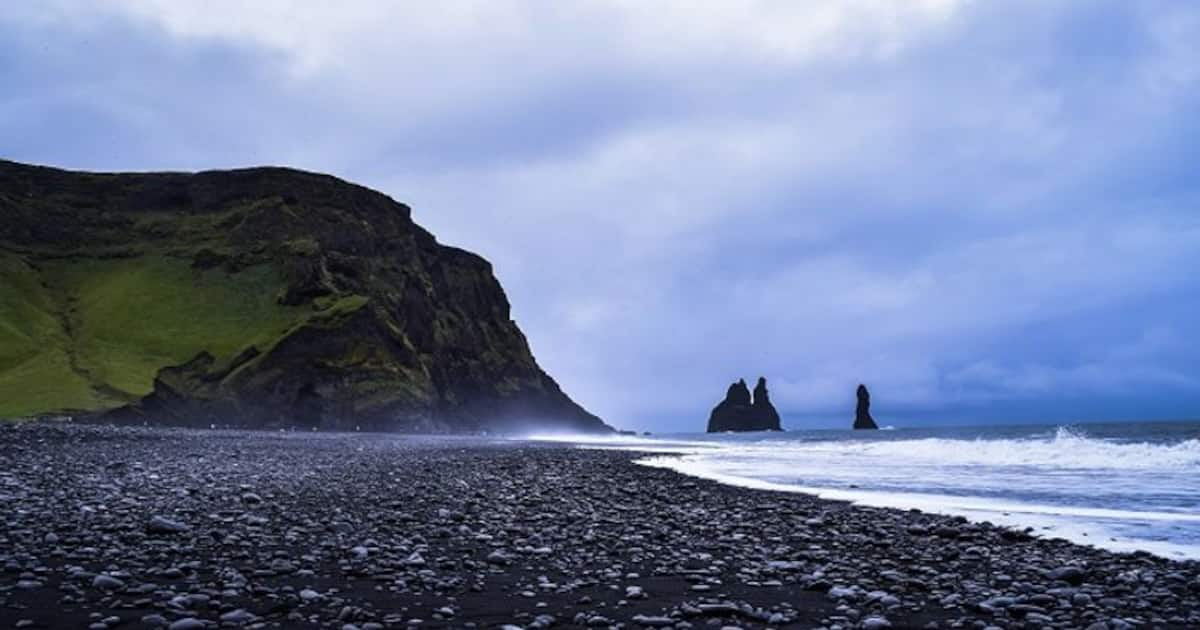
1119 486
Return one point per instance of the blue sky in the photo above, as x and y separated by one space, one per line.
985 211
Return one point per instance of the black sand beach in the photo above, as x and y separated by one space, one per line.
123 527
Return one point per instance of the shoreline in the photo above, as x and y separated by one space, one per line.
1138 514
1020 516
376 530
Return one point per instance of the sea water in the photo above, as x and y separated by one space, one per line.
1123 487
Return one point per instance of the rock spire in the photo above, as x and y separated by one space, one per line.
862 412
741 412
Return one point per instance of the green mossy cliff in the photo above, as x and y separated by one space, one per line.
256 297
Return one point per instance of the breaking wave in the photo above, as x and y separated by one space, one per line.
1066 448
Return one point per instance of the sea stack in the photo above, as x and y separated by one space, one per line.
740 412
862 412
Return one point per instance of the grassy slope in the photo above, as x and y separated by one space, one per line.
123 319
35 369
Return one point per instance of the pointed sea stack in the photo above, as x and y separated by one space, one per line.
862 412
738 412
763 409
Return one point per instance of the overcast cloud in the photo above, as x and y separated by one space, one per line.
983 210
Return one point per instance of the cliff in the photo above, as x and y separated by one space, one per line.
254 297
739 412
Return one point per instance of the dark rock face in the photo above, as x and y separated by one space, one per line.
862 412
388 329
738 394
738 412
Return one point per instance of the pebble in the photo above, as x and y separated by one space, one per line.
653 622
841 592
1069 574
164 525
107 583
239 616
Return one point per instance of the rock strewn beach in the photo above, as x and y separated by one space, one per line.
126 527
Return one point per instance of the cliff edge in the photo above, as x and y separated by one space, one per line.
254 297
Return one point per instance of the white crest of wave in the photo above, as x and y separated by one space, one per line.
1066 449
623 442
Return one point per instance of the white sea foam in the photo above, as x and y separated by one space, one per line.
1121 494
1067 449
1088 526
627 442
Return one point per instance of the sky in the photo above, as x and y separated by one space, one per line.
985 211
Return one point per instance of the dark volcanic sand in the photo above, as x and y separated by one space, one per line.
369 531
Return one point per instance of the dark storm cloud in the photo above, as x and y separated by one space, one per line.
985 210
